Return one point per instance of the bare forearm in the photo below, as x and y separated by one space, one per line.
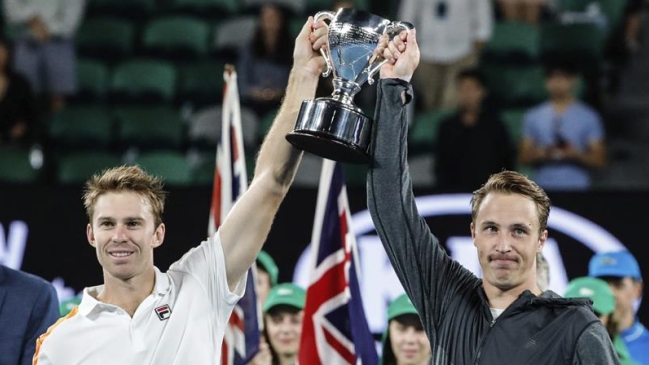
592 158
532 155
278 159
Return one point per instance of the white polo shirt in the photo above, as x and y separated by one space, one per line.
182 322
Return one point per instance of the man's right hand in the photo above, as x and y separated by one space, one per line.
401 53
306 55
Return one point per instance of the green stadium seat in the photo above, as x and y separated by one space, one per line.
612 9
16 167
106 38
266 123
81 127
314 6
176 37
149 127
93 78
231 34
212 9
76 168
201 82
513 42
521 86
131 9
143 81
582 43
423 131
203 172
172 166
513 120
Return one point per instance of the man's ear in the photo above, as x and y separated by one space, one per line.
90 235
159 235
472 229
542 238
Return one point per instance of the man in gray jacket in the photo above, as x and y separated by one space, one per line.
503 318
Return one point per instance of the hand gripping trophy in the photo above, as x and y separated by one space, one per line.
334 127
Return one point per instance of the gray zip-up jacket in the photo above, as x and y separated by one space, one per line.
449 298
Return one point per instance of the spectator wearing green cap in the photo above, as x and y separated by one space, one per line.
404 341
283 315
622 273
267 274
603 299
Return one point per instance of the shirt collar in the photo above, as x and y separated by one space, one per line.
89 301
634 332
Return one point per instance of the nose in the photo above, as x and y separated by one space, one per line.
119 235
502 244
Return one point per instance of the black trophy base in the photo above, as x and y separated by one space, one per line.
332 130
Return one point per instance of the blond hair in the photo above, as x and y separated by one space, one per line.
125 179
511 182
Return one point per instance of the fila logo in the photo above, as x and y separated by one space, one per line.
163 312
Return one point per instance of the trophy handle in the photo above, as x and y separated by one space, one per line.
325 15
393 27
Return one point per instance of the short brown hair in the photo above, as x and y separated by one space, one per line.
125 178
512 182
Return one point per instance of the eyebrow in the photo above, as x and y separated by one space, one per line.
127 219
515 225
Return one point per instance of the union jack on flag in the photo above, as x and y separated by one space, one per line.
334 330
241 340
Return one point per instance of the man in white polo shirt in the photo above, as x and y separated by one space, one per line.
143 316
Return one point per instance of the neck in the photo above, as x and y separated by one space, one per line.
270 41
626 320
287 359
560 104
501 299
469 116
127 294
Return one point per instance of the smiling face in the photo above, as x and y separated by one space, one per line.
506 232
284 329
124 234
409 343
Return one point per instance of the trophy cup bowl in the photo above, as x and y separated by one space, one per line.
334 127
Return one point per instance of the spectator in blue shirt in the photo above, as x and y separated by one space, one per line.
563 138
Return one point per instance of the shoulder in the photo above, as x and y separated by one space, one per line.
23 282
539 110
57 338
587 110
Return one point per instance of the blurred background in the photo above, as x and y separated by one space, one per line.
556 89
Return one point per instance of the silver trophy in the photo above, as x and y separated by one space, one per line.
334 127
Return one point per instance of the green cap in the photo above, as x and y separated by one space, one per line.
594 289
67 305
286 294
269 265
399 306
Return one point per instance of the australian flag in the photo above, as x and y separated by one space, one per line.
334 330
241 340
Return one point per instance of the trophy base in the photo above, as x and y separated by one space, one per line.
330 129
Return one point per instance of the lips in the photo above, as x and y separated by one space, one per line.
502 258
120 254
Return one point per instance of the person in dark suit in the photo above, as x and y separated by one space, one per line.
28 307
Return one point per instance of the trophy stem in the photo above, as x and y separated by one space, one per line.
344 91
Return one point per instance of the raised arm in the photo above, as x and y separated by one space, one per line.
246 227
416 255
